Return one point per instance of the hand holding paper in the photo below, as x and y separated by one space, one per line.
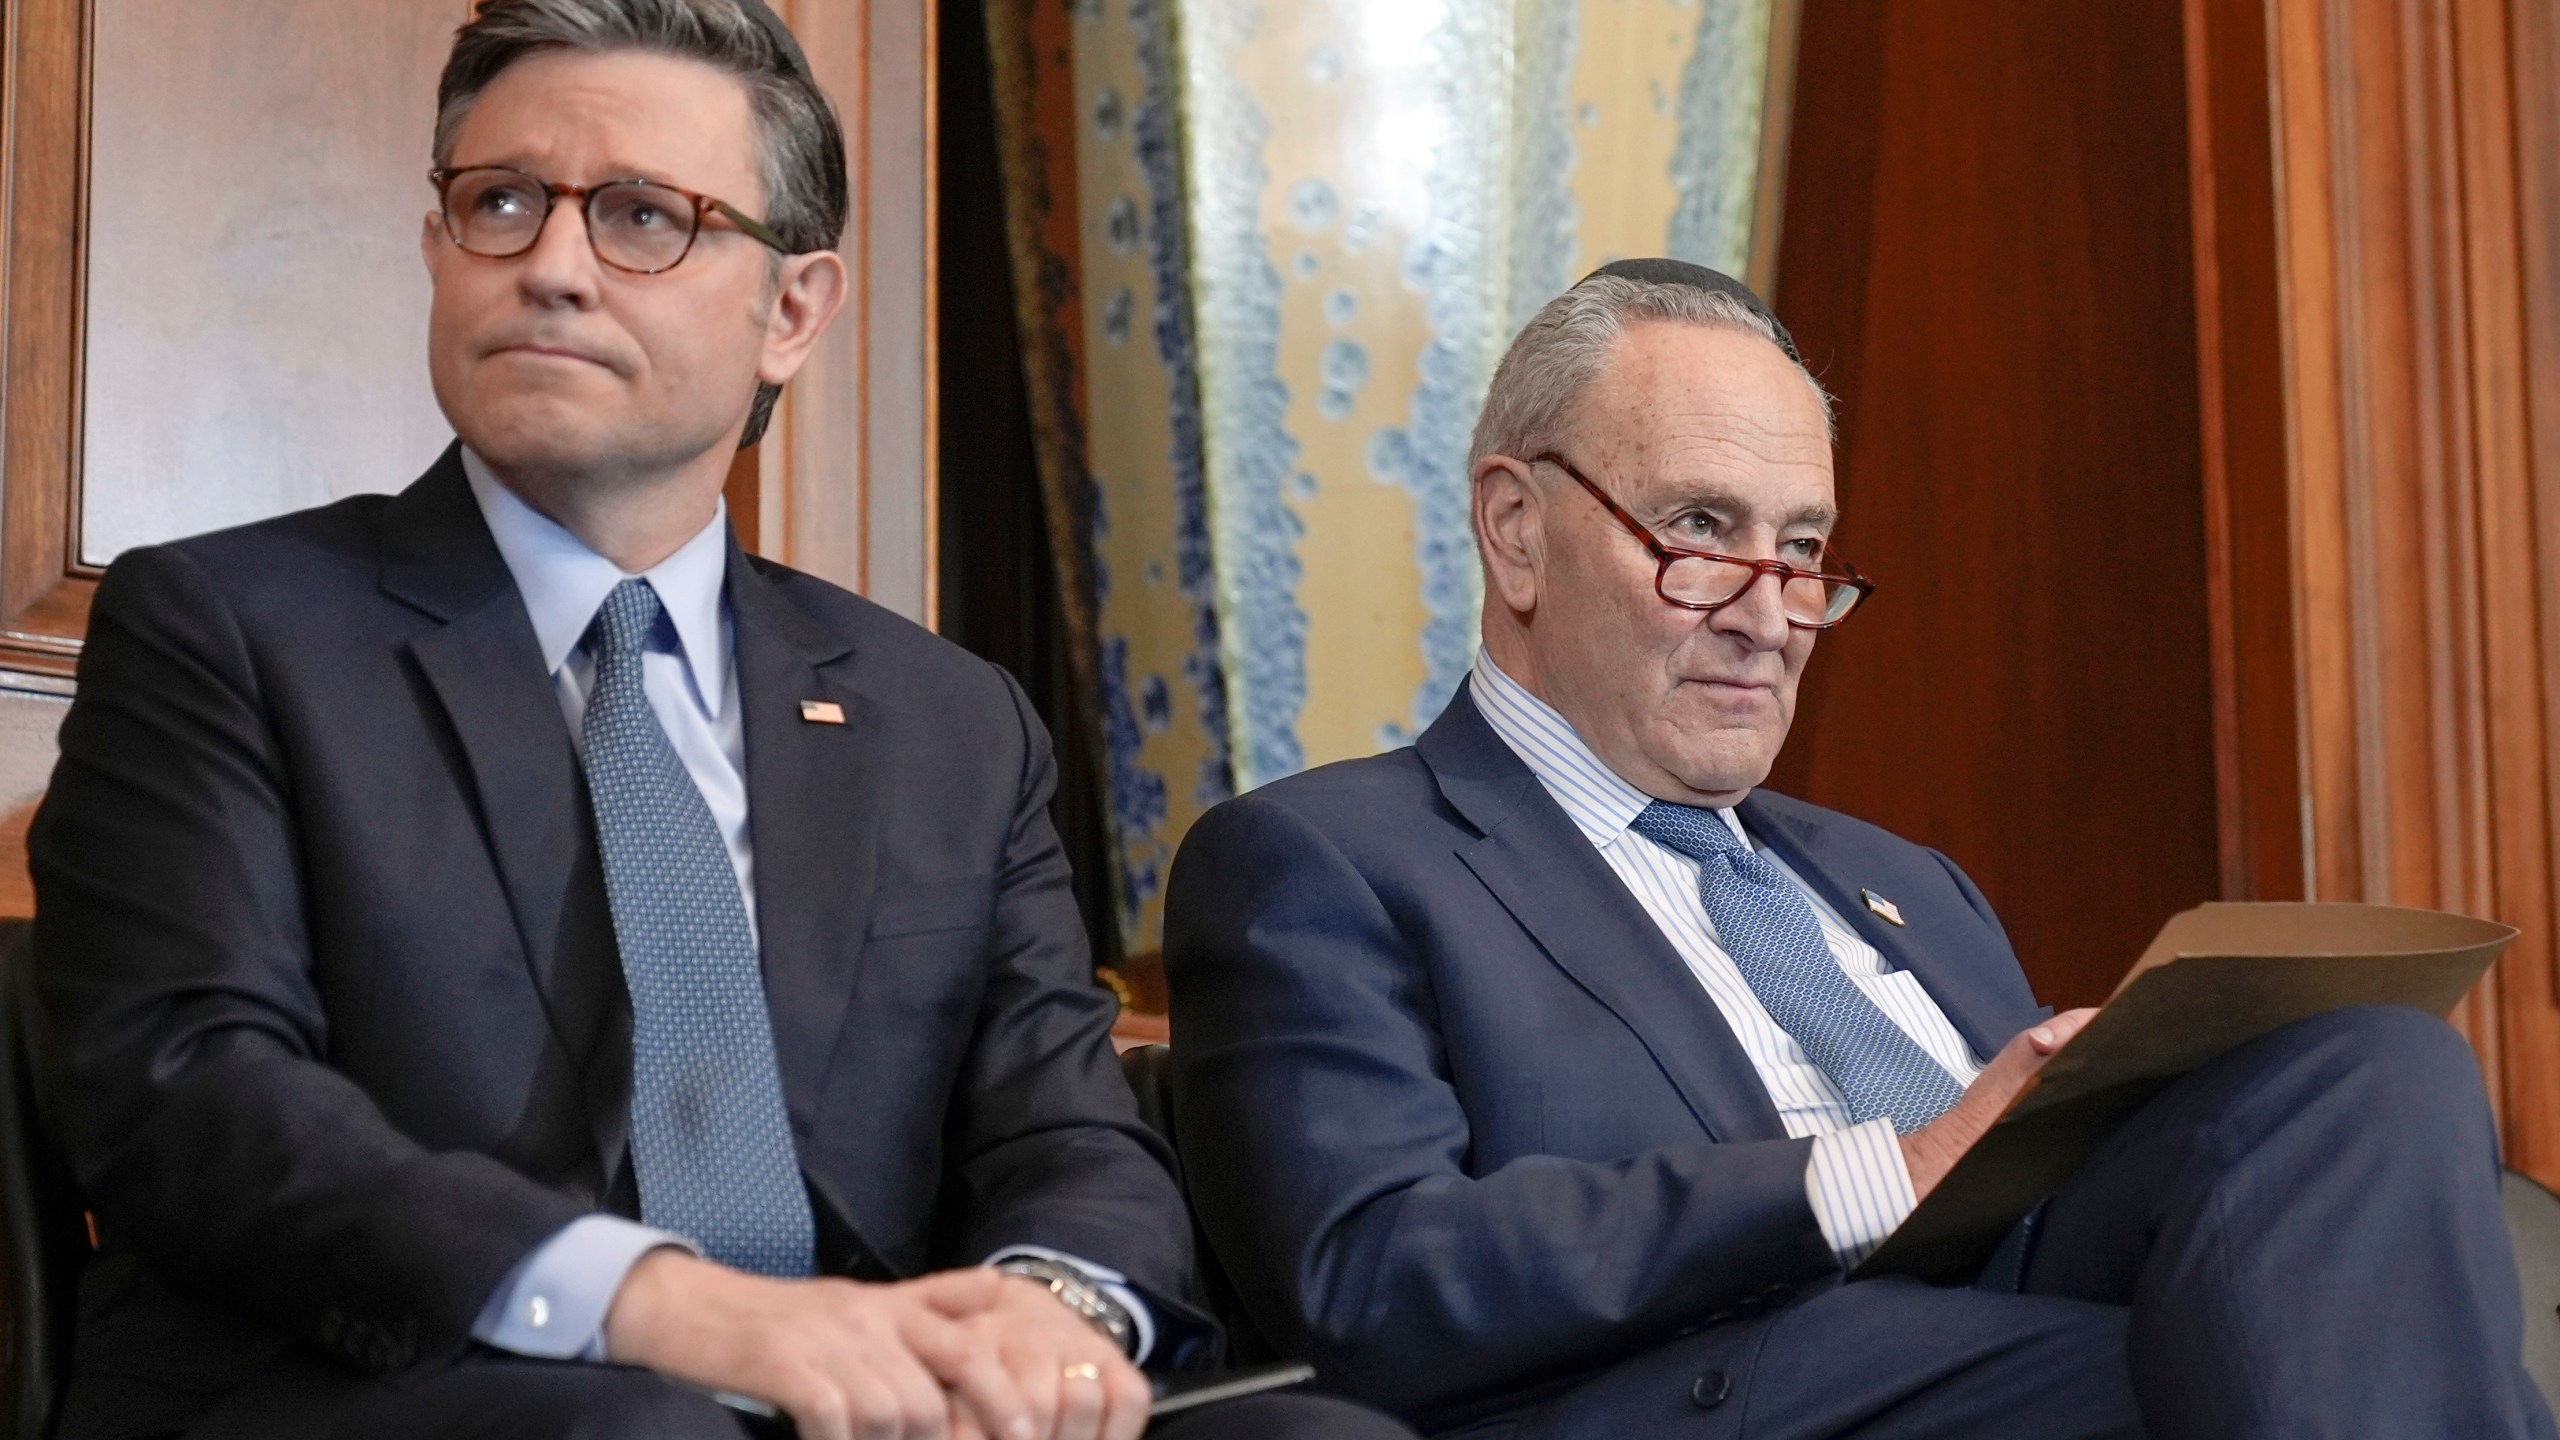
1930 1152
2216 978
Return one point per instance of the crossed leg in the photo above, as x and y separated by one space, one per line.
2300 1239
2308 1238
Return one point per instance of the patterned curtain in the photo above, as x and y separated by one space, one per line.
1267 254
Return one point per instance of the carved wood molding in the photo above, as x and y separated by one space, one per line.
2381 532
44 590
848 482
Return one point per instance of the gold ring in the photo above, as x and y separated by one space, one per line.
1086 1371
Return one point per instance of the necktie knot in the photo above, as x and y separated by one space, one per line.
1770 933
625 619
1691 830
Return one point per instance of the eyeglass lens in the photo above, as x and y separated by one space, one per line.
499 213
1706 580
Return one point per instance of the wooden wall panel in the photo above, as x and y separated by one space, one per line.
2248 504
179 267
142 249
2388 163
219 354
1987 256
2536 93
44 592
2340 678
847 474
258 333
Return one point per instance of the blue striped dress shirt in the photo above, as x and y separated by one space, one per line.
1859 1188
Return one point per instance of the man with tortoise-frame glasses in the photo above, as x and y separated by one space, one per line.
520 966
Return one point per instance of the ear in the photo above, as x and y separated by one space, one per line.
1510 530
809 292
430 237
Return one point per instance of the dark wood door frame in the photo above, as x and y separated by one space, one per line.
2377 193
44 590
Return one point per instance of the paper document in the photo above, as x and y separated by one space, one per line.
2218 977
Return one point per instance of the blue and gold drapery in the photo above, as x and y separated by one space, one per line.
1268 253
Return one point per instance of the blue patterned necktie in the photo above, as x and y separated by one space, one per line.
710 1136
1768 928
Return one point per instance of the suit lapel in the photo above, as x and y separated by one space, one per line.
485 668
1547 874
813 812
1977 1013
810 793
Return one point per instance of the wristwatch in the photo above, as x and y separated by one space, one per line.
1078 1292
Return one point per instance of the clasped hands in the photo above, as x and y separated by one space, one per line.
980 1355
960 1355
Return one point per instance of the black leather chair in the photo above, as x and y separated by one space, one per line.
2533 1219
47 1231
1149 1069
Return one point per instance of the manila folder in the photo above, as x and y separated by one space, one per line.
2218 977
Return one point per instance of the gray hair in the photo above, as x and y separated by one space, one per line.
799 141
1560 353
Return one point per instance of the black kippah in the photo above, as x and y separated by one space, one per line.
794 59
1657 271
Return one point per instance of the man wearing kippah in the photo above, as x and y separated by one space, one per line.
1547 1078
520 967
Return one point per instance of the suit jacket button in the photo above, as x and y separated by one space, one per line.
1710 1390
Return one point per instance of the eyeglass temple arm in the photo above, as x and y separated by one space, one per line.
755 228
1616 511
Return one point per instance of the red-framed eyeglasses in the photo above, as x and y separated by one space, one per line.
1702 580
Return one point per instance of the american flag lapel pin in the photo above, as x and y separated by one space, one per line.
828 712
1891 912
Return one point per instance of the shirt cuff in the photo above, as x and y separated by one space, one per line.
1113 1283
1860 1188
552 1305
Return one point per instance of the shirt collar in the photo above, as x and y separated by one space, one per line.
1600 803
564 583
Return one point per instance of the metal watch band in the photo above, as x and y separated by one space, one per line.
1079 1292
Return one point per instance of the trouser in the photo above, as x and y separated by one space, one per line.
2300 1239
492 1396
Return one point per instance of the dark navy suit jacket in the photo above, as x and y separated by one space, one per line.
323 939
1459 1119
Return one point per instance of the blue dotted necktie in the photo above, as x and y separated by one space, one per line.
1768 928
710 1136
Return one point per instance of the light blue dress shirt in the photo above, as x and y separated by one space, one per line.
1858 1185
553 1303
